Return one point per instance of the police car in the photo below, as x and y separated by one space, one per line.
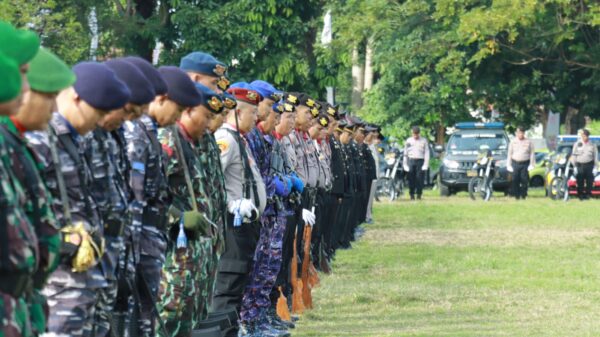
461 153
565 143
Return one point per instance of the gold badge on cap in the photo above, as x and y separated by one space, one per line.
324 121
288 107
229 103
251 95
219 70
310 103
215 104
292 99
331 111
314 112
223 83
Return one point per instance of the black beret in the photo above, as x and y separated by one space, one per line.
98 86
332 110
152 75
323 120
301 99
180 87
142 91
292 98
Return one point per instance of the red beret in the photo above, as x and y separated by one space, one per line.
245 95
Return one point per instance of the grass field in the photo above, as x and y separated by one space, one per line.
455 267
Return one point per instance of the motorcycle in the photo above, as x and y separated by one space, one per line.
391 184
563 170
482 176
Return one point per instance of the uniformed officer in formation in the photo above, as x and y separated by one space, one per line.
585 158
416 162
166 202
520 160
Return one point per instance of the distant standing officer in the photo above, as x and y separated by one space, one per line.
416 161
585 158
521 159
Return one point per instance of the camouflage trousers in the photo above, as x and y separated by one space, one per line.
183 299
107 296
267 263
153 246
140 263
71 310
14 317
38 312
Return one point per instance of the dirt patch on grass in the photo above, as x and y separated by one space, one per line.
485 237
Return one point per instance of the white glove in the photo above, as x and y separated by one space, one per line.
509 168
530 168
424 168
406 169
594 171
308 217
246 206
575 171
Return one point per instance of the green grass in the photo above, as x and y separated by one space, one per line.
455 267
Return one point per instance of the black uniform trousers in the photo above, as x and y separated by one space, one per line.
233 273
520 178
415 176
585 175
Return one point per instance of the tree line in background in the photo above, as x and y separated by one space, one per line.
396 63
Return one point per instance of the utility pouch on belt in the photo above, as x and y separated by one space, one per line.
88 252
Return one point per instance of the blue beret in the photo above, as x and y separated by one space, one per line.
98 86
203 63
242 85
266 90
152 75
142 92
210 99
180 87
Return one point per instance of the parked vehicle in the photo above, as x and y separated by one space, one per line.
462 152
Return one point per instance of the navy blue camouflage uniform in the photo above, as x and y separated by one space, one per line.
71 295
151 201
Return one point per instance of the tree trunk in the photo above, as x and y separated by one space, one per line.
440 134
570 120
543 117
143 45
357 80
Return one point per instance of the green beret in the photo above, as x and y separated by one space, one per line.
20 45
49 74
10 86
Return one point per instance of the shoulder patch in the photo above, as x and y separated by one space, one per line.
223 145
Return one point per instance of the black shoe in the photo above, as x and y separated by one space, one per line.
412 197
418 197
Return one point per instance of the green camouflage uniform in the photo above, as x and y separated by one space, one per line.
210 157
38 210
184 290
19 251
